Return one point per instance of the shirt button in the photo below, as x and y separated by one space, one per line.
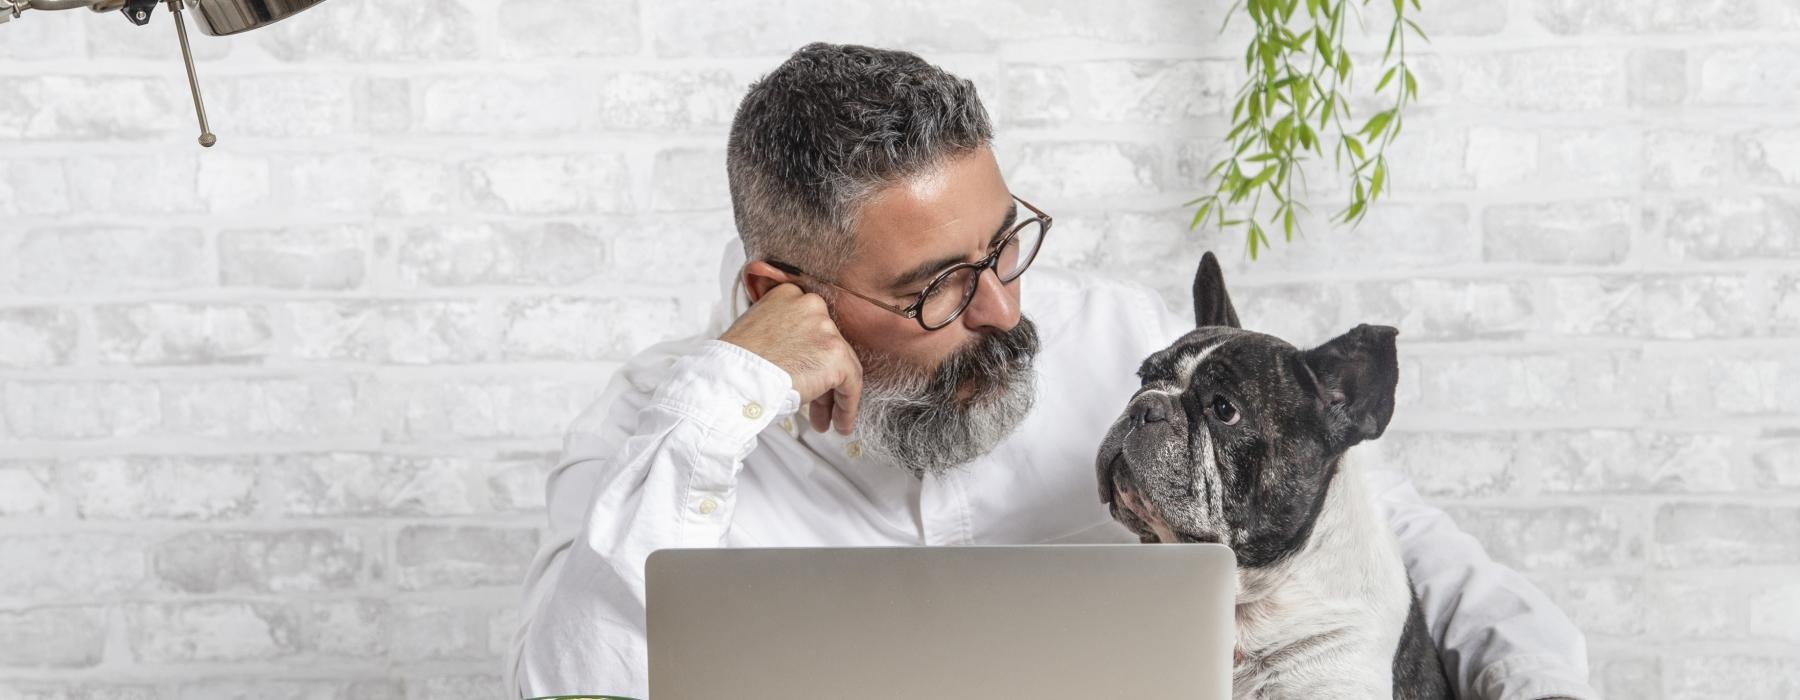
708 505
854 449
753 410
787 425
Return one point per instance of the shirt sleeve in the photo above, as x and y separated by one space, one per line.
652 464
1499 636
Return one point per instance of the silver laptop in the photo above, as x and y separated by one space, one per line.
1149 622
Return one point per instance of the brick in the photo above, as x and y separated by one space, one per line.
1697 606
1658 77
1572 17
1120 91
569 328
286 105
1609 305
1775 612
1485 464
1776 463
117 184
1627 676
1034 95
1595 232
306 258
212 630
739 30
1605 158
1712 534
428 411
1600 605
124 40
551 254
100 107
79 690
262 562
667 100
453 686
263 408
385 106
688 179
1770 156
70 410
1499 157
1571 383
101 260
37 337
1468 19
1732 227
1726 384
181 334
1683 159
393 331
1709 306
53 637
44 34
1440 309
1551 537
331 184
557 29
426 631
483 104
65 566
1637 461
1063 170
573 183
418 185
1748 75
668 250
386 32
1545 80
182 488
28 488
289 689
1303 314
31 186
1735 676
440 557
235 184
360 485
352 629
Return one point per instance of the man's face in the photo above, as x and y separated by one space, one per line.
933 400
909 232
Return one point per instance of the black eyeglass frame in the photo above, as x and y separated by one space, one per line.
915 310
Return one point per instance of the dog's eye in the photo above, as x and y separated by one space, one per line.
1224 411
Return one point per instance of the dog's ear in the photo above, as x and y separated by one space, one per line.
1353 377
1212 306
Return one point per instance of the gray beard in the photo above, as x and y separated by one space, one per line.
913 418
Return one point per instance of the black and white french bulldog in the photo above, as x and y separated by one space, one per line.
1240 438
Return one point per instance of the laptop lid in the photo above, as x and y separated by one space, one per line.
878 623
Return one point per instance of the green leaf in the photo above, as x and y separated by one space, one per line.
1416 29
1412 86
1261 157
1377 123
1200 216
1379 177
1355 146
1262 177
1386 78
1287 223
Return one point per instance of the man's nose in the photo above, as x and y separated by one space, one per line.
994 308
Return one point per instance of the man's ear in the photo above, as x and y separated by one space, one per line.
1354 376
1212 306
760 277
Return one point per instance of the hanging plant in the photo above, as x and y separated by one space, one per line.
1294 105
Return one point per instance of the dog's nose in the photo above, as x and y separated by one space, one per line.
1149 411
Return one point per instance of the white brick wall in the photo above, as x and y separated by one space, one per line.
274 417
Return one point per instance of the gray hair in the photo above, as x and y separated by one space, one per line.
830 127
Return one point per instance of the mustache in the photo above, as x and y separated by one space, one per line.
991 361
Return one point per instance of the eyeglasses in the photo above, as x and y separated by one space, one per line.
953 288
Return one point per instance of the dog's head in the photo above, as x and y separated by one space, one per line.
1235 435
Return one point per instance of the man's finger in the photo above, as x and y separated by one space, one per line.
821 413
849 398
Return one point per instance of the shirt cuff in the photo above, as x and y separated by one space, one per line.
1533 678
730 393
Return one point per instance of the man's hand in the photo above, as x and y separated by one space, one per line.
790 328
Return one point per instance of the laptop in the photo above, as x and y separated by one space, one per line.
1053 622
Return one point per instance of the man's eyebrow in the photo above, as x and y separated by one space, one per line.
931 268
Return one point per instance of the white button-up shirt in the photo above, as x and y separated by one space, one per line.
696 443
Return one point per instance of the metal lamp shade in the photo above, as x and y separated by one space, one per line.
222 17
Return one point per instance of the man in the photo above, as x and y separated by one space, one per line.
892 384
